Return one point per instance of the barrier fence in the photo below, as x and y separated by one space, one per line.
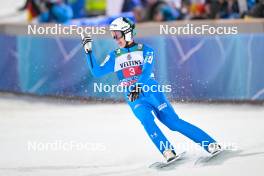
209 67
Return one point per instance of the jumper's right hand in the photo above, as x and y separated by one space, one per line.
134 94
87 43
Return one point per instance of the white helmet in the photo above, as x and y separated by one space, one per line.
125 26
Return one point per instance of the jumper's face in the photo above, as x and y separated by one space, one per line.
119 37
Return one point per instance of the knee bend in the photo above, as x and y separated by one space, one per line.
171 120
177 125
145 119
169 114
143 114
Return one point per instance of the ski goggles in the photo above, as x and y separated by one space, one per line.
117 34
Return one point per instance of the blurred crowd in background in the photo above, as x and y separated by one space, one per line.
62 11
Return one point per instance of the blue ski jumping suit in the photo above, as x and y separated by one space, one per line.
135 65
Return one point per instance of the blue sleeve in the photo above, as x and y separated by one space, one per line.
107 66
147 69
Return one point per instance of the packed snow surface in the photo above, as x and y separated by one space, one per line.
42 137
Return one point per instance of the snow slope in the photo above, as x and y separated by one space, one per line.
116 142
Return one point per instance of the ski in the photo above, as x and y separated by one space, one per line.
171 164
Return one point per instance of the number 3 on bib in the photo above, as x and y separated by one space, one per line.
132 71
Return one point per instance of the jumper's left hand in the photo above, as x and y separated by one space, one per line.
134 94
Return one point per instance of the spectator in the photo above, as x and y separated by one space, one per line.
55 11
251 3
157 10
221 9
229 9
197 10
78 8
212 9
135 6
257 10
130 5
33 9
48 10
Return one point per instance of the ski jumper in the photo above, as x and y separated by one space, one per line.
135 65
